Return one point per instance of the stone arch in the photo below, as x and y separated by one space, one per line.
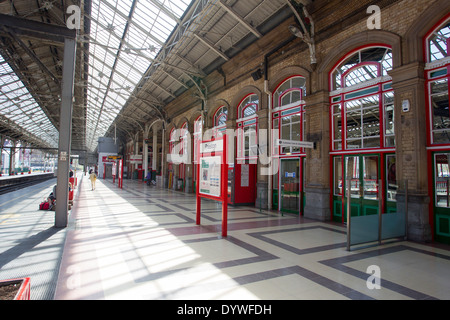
372 37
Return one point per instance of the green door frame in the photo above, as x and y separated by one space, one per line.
291 194
441 215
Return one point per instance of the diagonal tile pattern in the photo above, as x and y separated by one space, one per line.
142 243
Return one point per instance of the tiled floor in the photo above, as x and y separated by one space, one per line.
142 243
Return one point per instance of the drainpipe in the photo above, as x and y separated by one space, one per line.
269 142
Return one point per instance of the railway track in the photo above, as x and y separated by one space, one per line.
18 186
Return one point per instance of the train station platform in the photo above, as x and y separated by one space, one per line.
141 243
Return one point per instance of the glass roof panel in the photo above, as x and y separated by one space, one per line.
127 40
19 106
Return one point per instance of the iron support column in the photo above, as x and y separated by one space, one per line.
65 134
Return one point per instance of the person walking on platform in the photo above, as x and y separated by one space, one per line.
93 178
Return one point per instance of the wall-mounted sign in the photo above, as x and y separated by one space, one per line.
63 156
136 159
212 146
296 144
290 174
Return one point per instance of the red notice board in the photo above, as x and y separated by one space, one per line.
212 176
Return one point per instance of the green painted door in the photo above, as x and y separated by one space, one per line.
441 195
364 173
290 185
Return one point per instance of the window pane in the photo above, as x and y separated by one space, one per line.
296 96
440 111
371 177
362 74
275 123
249 139
337 125
354 124
352 173
338 176
337 122
275 136
249 111
371 142
295 130
389 119
442 178
354 144
438 43
296 82
286 100
286 131
371 122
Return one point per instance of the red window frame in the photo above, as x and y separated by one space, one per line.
279 117
241 125
342 101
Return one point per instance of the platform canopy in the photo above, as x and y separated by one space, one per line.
133 58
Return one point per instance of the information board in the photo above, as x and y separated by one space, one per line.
210 176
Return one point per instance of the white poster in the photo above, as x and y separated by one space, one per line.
210 174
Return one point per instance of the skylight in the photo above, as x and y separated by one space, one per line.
125 37
18 106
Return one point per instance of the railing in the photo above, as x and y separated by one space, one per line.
373 229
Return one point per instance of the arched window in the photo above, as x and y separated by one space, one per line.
248 106
438 42
437 75
362 66
289 113
184 148
247 128
198 127
362 100
220 121
172 141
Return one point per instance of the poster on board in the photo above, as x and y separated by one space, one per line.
210 176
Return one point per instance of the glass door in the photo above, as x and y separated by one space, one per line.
363 172
290 185
441 192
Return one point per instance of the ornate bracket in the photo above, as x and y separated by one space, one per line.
306 29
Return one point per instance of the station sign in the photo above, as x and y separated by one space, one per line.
136 159
114 158
211 146
295 144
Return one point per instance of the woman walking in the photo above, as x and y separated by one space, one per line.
93 178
